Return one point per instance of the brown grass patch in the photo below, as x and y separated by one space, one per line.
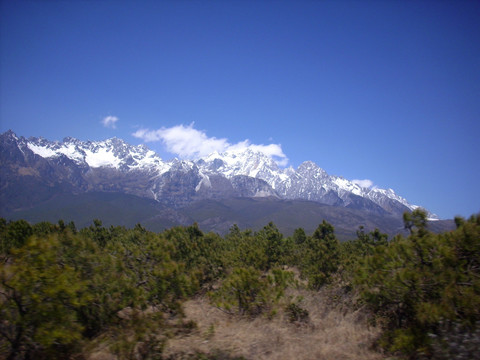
330 333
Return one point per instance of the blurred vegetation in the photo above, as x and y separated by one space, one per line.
64 290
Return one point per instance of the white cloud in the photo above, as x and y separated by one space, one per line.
184 141
363 183
190 143
110 122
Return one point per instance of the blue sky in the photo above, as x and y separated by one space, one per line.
382 90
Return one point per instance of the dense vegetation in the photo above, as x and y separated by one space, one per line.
64 291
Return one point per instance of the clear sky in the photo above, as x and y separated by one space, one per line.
385 91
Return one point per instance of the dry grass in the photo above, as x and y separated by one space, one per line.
330 333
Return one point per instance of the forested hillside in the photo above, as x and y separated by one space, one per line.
117 293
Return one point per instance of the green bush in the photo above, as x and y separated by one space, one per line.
320 256
246 291
61 288
418 282
39 294
296 313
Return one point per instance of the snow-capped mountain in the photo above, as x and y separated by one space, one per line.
308 181
114 165
111 153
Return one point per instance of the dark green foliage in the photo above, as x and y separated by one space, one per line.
416 221
15 235
45 228
419 282
203 255
247 291
98 233
299 236
62 288
136 270
296 313
243 289
353 252
245 249
320 257
272 240
39 295
366 243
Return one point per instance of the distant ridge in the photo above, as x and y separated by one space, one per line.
36 171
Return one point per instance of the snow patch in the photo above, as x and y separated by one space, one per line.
100 158
42 151
71 152
204 182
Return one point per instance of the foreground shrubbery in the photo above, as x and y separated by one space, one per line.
63 290
421 283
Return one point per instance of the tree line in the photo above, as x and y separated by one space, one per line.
64 289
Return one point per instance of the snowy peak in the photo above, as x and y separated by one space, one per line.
110 153
241 172
308 181
232 163
309 169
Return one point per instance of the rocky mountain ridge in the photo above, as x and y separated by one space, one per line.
113 165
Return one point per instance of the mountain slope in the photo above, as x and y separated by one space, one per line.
112 208
211 215
254 213
35 171
308 182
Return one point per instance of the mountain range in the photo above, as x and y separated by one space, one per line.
38 175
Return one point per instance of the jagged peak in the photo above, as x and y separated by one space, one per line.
308 181
240 154
308 166
10 136
70 139
10 133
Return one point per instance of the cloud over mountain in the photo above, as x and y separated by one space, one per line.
363 183
110 122
190 143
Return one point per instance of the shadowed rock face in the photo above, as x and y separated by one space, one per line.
246 186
